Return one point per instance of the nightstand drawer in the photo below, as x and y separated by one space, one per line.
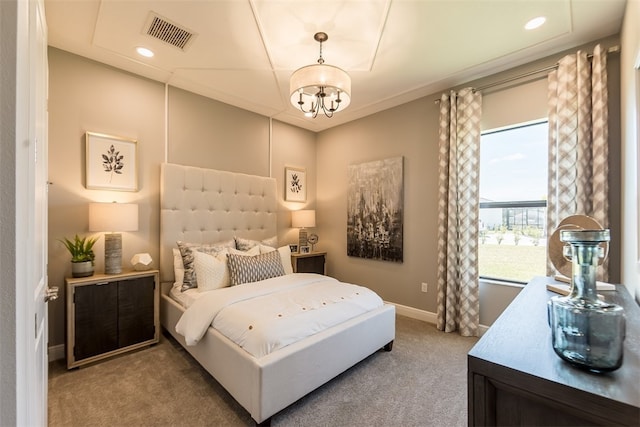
309 263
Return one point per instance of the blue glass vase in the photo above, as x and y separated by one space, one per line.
586 331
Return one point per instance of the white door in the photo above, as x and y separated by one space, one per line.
31 217
39 81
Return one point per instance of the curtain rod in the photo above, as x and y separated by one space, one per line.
612 49
518 77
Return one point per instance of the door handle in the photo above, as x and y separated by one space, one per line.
51 294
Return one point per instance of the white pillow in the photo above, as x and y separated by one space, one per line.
178 268
264 249
211 271
285 256
251 252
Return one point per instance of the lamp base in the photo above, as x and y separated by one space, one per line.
113 253
302 238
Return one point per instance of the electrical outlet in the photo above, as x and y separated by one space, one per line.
425 286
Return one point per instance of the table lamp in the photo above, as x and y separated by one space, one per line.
303 219
113 218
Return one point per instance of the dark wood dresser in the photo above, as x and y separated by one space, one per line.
515 377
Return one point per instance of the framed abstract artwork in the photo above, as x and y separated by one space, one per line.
375 210
111 162
295 184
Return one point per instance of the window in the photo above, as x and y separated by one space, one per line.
513 202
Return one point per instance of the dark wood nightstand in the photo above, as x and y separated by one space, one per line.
109 314
313 262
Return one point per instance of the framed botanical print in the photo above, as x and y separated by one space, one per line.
295 184
111 162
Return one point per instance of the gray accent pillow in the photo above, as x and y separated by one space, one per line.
246 244
186 251
249 269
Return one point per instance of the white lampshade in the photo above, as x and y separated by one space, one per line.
320 87
113 217
303 218
308 80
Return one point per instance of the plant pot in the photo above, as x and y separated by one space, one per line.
82 269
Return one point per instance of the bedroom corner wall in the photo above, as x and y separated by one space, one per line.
209 134
89 96
296 147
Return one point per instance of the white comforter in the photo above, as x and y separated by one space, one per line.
264 316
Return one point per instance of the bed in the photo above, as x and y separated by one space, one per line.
203 205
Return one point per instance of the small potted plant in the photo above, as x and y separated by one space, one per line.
82 256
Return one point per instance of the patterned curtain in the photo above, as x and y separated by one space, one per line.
578 141
458 301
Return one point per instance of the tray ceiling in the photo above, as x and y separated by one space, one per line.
242 52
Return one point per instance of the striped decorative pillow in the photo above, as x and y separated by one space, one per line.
249 269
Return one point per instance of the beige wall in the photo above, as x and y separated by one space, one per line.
411 131
630 171
89 96
209 134
295 147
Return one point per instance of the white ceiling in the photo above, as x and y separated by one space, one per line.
396 51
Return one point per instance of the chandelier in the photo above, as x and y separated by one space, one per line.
320 87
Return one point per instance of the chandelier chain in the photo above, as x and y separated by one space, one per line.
320 59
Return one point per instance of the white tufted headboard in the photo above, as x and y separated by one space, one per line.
205 206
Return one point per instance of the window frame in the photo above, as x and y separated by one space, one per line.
542 203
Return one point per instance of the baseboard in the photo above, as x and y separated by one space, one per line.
415 313
56 352
426 316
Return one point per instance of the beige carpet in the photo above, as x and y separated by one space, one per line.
422 382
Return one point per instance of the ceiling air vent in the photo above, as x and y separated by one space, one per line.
168 32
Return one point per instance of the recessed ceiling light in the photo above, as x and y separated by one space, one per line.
535 23
144 52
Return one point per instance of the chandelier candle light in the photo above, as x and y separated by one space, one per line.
113 217
320 87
